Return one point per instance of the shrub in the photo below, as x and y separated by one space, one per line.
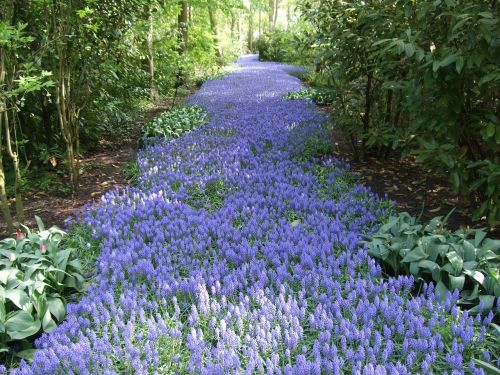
465 259
175 122
36 276
280 45
319 96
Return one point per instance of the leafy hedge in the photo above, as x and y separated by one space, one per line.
175 122
281 45
465 260
36 277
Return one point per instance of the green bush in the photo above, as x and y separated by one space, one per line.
465 259
36 277
221 72
319 96
283 46
175 122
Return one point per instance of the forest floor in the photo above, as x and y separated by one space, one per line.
410 186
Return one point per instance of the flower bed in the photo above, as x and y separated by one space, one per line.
233 255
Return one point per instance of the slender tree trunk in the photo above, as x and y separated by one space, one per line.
270 14
288 15
3 191
182 24
64 104
151 64
240 35
3 197
233 26
183 38
215 33
366 115
250 28
260 22
17 169
275 15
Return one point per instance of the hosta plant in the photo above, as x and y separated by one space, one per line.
36 277
465 259
175 122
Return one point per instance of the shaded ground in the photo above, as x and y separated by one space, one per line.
102 170
413 188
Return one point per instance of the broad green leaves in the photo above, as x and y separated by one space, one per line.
35 277
175 122
467 261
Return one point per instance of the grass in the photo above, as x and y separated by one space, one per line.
86 248
210 197
132 172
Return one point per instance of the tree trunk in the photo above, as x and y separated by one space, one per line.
182 24
3 197
240 35
3 192
260 22
270 15
151 64
250 28
17 170
233 26
64 104
366 115
215 33
288 15
275 15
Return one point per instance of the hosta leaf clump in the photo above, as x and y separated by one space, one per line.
36 277
465 259
175 122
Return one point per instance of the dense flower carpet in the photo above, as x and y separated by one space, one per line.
236 255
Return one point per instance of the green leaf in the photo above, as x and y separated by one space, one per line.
48 323
428 265
492 76
476 275
442 289
490 129
456 282
409 49
39 222
459 64
485 14
21 325
26 354
414 255
455 260
496 327
57 308
469 251
448 60
18 297
493 245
